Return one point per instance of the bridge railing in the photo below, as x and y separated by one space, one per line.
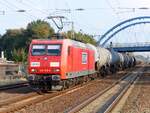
143 44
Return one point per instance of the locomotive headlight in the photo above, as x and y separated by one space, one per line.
56 70
33 70
35 64
54 64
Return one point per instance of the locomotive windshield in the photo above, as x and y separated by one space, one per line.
51 50
38 49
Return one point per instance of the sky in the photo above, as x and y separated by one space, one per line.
95 19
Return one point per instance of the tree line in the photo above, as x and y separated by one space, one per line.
15 42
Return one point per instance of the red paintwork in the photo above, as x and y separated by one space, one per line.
70 59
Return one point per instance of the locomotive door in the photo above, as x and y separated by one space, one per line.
70 61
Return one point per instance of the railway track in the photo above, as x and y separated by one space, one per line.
13 86
105 101
17 103
120 100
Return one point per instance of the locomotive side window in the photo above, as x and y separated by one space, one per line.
84 58
38 49
54 50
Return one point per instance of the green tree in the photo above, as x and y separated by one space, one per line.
85 38
39 29
21 38
13 38
19 55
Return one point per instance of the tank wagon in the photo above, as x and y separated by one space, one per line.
66 62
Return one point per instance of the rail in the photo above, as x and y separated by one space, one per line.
118 98
13 86
123 83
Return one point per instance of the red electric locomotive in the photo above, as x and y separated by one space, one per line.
59 63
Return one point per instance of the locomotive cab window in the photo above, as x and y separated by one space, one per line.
38 49
53 50
84 58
